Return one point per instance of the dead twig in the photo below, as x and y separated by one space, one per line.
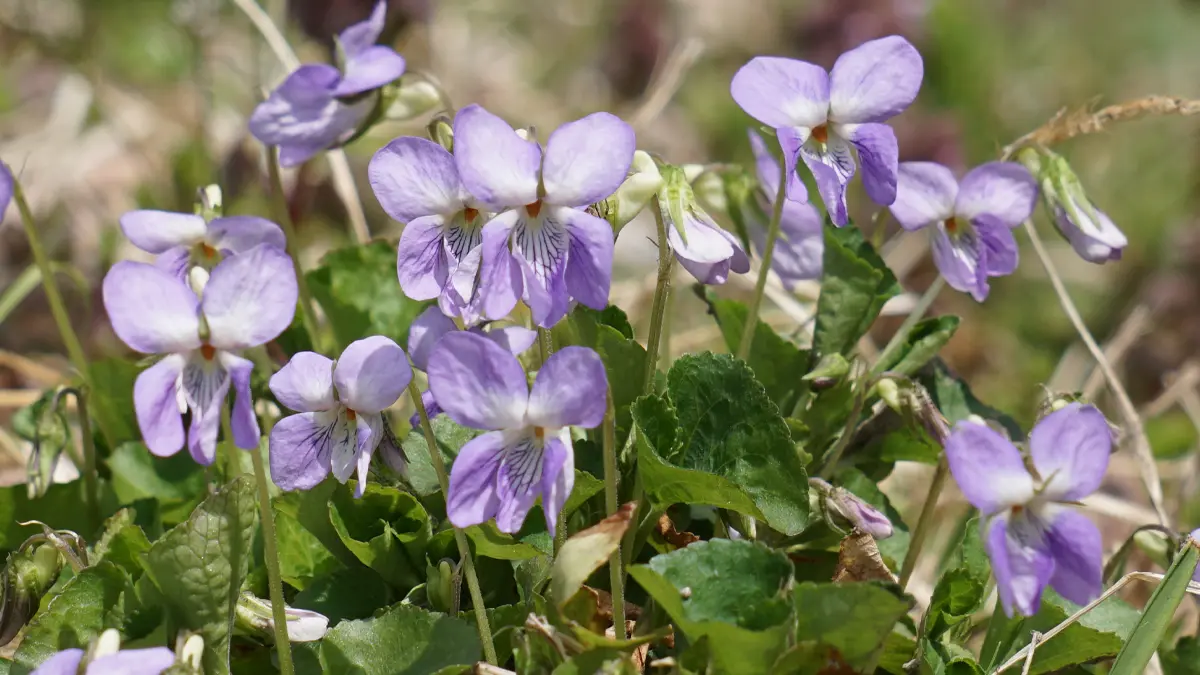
1083 121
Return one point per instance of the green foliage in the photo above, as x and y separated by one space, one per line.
403 640
357 288
198 567
387 530
735 593
1160 610
853 290
610 335
922 344
853 618
110 402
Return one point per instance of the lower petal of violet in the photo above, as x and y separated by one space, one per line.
157 407
558 477
958 259
832 166
880 156
589 263
244 422
370 432
205 384
1078 553
473 497
546 296
1001 246
540 247
500 284
299 449
518 480
1021 561
421 264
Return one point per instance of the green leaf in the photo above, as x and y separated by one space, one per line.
666 484
1184 659
960 591
779 364
855 286
386 529
735 593
954 398
404 640
357 288
854 618
923 343
302 557
123 543
611 336
85 606
110 402
62 508
1098 634
729 428
199 565
310 508
345 594
177 482
1156 619
450 437
490 542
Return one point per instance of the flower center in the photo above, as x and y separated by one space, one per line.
540 434
351 415
952 225
534 209
208 351
470 214
821 133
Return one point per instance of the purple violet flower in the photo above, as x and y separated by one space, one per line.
151 661
1090 231
801 244
1032 538
249 300
819 116
558 251
184 239
318 107
340 405
709 253
528 451
417 183
972 221
429 328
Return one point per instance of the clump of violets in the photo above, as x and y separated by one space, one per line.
340 405
1031 534
701 246
248 301
319 107
417 183
824 117
542 246
183 240
527 452
801 244
429 328
970 223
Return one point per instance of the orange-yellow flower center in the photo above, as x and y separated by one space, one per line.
208 251
539 433
534 209
470 214
208 351
952 225
1017 509
821 133
351 415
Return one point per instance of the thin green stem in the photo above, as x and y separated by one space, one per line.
764 269
662 291
843 441
616 574
283 216
274 577
464 549
902 333
924 522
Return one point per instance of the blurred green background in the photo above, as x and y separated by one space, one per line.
108 105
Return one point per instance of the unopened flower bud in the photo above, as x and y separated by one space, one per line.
703 248
441 131
639 188
209 202
191 651
414 96
254 616
889 392
109 642
28 574
828 371
1088 229
846 507
440 582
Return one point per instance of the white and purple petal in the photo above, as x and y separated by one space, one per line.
65 662
518 480
879 154
501 285
1096 240
424 333
149 661
767 170
516 339
370 69
238 234
570 390
832 166
590 259
477 382
1021 560
925 194
1070 449
1004 190
305 384
156 231
243 422
1000 253
1078 554
303 117
250 298
782 92
960 259
587 160
473 497
540 246
150 310
371 374
300 446
157 407
421 264
362 35
205 384
414 177
496 165
987 467
558 476
875 81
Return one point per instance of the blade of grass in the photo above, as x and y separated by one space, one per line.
1148 633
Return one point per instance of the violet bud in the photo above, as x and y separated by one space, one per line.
635 193
253 615
702 247
1088 229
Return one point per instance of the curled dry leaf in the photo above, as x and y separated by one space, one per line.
859 560
666 530
586 551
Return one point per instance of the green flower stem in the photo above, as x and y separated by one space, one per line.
271 554
662 291
616 574
902 333
843 441
58 309
764 269
283 216
924 522
464 549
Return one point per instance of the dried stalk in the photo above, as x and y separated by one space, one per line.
1083 121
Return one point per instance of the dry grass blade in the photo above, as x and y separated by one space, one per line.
1084 121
